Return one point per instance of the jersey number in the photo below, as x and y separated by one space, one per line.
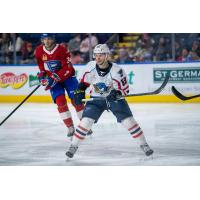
124 81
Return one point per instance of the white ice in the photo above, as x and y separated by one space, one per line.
35 136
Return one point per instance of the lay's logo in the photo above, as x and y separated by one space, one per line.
10 79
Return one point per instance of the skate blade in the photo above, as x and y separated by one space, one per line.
146 158
68 159
69 138
90 136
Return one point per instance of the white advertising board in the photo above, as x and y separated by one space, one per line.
21 80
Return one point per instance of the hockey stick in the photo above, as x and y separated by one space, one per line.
181 96
157 91
19 105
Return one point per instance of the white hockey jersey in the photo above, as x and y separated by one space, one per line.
102 82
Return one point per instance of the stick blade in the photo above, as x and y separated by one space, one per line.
163 85
178 94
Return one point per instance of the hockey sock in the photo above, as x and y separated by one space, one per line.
64 111
82 130
78 108
134 129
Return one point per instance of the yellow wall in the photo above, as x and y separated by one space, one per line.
139 99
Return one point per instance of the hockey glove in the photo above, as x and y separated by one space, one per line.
54 76
78 96
42 78
46 81
51 83
114 95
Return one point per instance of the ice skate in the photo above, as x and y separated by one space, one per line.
71 131
71 151
147 150
89 133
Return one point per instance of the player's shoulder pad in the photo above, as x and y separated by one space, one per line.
62 47
38 50
116 68
91 65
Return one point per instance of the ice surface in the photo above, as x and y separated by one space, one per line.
35 136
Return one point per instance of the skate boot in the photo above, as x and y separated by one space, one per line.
71 131
71 151
89 132
147 150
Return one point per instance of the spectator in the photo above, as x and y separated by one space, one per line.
131 52
28 54
143 52
74 43
193 56
162 53
123 56
184 55
178 50
195 47
4 44
84 47
76 57
18 46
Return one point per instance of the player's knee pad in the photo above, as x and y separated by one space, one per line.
128 122
86 123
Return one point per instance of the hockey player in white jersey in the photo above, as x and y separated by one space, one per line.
109 81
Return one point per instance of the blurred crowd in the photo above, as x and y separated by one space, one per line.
148 47
12 41
158 47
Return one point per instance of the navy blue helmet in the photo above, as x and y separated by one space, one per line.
49 35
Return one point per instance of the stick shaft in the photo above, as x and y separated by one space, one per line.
19 105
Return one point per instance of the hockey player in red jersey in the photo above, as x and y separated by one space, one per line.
107 81
58 75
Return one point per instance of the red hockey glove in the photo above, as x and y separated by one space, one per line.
42 78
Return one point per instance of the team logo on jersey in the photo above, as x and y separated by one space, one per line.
44 57
101 88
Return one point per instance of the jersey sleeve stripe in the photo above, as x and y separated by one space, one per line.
118 83
83 79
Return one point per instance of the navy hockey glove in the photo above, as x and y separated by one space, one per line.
51 83
53 75
78 96
45 80
114 95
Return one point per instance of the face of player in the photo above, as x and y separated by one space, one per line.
49 43
101 60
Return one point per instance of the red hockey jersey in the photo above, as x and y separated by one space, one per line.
56 61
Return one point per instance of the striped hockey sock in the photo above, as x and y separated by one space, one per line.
82 130
65 113
135 130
